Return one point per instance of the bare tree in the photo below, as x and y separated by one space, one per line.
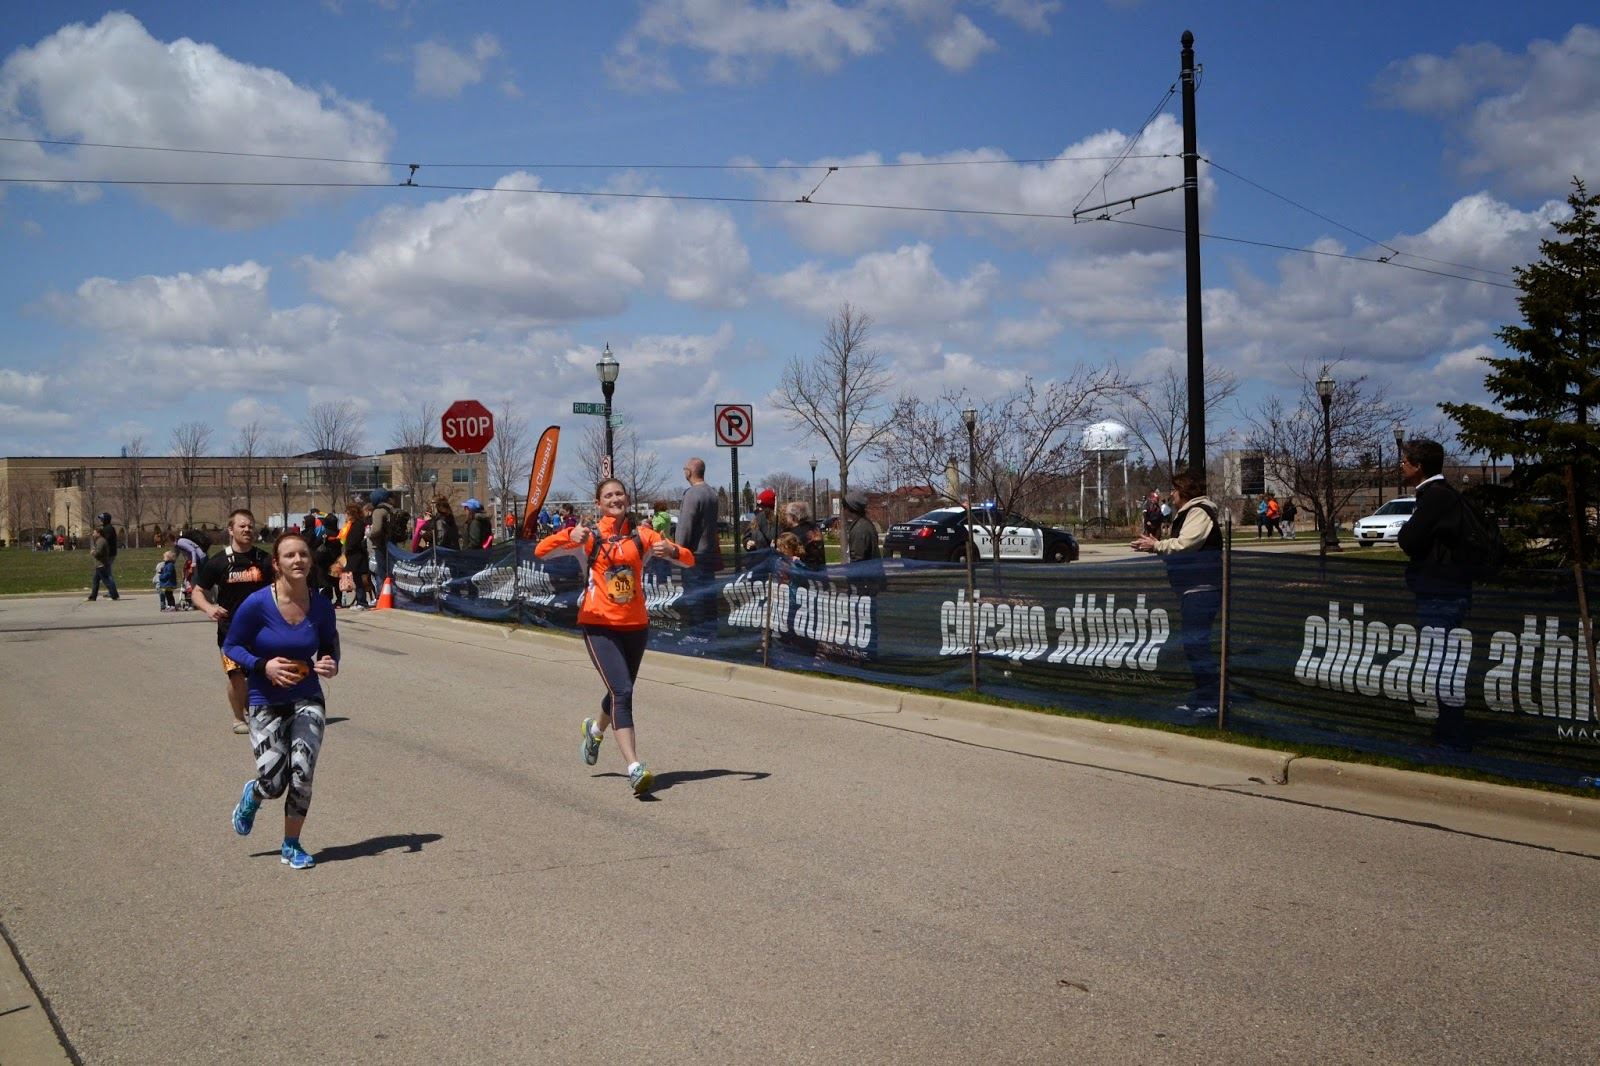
1027 443
638 468
1157 414
416 440
1290 438
335 432
189 443
834 396
787 487
131 492
510 452
249 450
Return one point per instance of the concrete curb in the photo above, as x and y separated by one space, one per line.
1551 808
27 1029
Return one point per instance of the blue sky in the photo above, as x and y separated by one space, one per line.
1448 131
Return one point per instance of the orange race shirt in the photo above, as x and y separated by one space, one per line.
614 596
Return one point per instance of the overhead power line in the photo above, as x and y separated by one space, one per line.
701 198
1393 251
446 165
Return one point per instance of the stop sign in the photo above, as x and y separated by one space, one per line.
467 426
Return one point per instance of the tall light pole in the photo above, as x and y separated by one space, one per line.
285 504
607 369
969 418
1330 532
813 488
1399 475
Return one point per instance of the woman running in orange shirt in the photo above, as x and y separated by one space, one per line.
612 615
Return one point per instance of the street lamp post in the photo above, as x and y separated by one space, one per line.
608 368
1330 532
813 488
285 503
1399 475
969 418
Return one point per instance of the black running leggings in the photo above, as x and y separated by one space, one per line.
616 654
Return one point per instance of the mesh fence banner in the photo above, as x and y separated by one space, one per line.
1329 652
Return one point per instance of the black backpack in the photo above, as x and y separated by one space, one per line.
400 527
1476 546
201 539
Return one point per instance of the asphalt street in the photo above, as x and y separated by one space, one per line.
816 880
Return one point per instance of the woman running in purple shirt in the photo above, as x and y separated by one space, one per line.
286 640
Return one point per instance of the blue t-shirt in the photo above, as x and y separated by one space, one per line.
258 632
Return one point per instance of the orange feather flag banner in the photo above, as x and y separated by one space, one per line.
539 478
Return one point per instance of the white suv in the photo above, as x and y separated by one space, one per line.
1383 525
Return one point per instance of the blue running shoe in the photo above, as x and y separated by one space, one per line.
244 814
641 778
591 743
295 857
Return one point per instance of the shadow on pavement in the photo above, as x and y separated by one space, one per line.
666 780
336 718
410 842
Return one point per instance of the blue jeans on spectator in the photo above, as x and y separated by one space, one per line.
1446 610
103 573
1198 611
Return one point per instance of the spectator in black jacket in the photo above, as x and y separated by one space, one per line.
1442 587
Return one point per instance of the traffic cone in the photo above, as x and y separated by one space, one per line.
386 597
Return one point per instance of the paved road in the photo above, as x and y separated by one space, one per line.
808 886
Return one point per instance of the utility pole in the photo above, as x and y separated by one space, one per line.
1191 245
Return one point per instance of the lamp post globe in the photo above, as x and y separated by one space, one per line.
607 370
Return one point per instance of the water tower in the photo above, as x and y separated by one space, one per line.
1104 442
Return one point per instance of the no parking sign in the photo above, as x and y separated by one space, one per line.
735 425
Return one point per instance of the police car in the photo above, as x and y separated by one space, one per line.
1383 525
941 535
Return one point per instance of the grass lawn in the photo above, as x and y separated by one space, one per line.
23 570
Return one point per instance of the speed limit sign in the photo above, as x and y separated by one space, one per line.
735 425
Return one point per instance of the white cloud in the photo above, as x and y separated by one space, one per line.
986 180
20 386
247 409
510 260
1533 119
903 286
1115 293
960 44
1027 334
112 82
1395 320
439 70
741 39
204 308
1031 15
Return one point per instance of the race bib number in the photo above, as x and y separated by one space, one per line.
620 585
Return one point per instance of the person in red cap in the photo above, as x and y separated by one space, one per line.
763 527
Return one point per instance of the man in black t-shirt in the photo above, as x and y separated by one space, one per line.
235 572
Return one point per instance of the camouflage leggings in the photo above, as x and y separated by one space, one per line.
287 738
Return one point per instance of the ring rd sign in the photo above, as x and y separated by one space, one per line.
467 426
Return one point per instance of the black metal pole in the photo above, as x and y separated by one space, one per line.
1191 246
607 388
970 550
738 509
813 490
1330 532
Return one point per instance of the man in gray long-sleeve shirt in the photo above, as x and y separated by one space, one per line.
697 531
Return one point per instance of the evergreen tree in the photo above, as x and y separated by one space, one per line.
1549 390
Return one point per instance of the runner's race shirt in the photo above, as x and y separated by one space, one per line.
234 576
